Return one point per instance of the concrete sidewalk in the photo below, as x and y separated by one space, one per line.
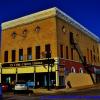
41 91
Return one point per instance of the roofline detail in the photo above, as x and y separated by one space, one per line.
49 13
29 18
76 24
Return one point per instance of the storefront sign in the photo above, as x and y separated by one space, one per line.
29 63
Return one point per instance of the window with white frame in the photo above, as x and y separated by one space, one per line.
73 70
81 70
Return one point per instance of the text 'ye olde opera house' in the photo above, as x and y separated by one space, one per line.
49 47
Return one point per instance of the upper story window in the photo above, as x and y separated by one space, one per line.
13 55
72 53
37 52
20 54
71 37
13 35
63 29
88 54
48 50
24 32
37 29
93 49
91 55
29 53
6 56
67 52
94 57
61 51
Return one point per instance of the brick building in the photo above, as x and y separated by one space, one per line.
26 41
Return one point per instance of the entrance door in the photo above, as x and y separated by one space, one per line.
42 79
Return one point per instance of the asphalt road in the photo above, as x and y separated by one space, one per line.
84 94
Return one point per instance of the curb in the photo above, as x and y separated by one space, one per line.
59 91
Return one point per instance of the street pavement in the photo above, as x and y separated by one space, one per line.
91 93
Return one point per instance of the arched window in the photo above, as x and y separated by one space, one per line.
13 35
81 70
94 69
73 70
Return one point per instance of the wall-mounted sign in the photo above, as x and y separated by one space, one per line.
29 63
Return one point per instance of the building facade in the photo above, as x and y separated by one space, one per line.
26 42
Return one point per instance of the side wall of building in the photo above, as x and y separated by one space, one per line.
88 46
73 67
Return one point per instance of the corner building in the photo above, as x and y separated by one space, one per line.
29 38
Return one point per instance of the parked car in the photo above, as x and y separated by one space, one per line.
20 87
6 87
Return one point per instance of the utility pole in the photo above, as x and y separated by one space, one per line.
34 76
48 55
16 74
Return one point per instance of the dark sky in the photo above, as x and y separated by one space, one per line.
86 12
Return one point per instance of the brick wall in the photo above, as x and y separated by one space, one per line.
46 35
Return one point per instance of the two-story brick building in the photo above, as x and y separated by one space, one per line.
26 40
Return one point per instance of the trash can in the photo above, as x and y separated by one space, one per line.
1 98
